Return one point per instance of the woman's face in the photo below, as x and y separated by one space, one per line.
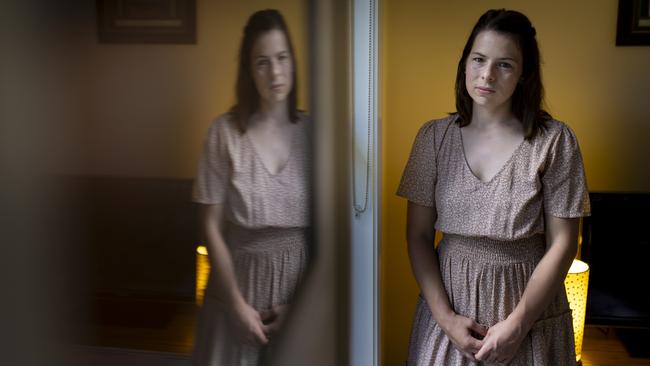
272 67
492 70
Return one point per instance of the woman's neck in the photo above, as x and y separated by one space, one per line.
274 113
483 117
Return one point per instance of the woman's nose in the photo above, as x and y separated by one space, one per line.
275 67
488 73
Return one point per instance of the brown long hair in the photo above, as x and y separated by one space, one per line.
248 98
528 96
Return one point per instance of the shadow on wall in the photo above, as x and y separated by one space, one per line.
141 235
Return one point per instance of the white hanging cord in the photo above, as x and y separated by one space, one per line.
359 209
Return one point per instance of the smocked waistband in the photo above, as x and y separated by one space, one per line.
529 249
268 238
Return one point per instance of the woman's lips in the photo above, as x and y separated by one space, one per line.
484 90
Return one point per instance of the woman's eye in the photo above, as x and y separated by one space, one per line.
477 59
262 63
505 65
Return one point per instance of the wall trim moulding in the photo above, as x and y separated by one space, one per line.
146 21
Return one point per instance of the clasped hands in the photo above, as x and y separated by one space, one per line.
495 345
255 327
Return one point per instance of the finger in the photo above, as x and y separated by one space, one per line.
260 337
475 345
478 328
271 327
258 314
281 310
258 331
267 316
482 354
267 329
464 351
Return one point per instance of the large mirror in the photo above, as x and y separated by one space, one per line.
175 128
133 97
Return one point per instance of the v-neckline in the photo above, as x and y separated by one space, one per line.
292 141
503 167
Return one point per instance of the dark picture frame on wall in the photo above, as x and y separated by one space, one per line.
633 27
146 21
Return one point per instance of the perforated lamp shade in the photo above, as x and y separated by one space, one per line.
576 283
202 272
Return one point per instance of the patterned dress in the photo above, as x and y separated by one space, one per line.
493 235
266 218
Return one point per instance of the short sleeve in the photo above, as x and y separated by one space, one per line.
563 181
211 181
419 177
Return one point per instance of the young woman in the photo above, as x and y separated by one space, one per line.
504 183
252 184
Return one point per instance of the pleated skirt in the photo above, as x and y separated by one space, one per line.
484 280
268 264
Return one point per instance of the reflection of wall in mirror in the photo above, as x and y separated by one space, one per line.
148 106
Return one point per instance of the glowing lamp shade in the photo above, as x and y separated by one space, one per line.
202 272
576 289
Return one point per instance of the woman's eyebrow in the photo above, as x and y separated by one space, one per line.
500 58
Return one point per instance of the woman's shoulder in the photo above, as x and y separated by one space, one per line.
555 125
224 121
555 129
437 127
223 130
555 136
224 125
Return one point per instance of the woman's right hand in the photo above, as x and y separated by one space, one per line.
245 320
274 318
465 334
248 324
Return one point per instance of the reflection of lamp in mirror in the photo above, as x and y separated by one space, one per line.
202 272
576 289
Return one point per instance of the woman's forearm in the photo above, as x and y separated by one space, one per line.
420 235
219 255
426 269
549 275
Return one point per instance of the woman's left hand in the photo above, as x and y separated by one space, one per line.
274 318
501 342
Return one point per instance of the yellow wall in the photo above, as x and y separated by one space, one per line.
147 107
599 89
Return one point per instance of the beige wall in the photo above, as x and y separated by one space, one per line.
147 107
599 89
